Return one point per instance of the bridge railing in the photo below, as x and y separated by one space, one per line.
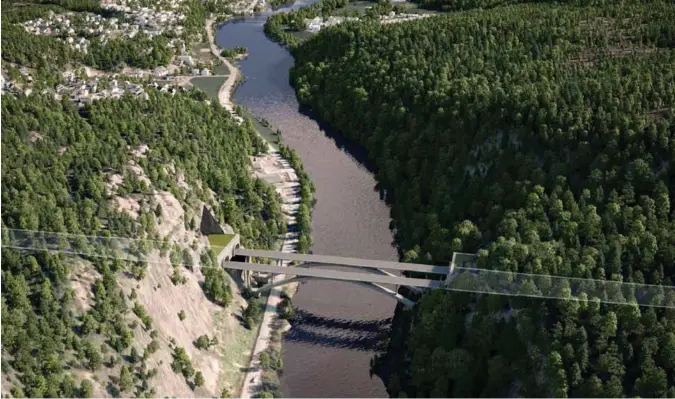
465 279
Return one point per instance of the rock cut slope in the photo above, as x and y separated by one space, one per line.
132 168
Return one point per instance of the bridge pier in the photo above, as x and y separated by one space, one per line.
247 274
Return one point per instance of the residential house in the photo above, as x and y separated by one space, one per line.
186 59
314 25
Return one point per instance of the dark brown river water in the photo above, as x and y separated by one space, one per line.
341 325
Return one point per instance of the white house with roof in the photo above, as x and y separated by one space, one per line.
314 25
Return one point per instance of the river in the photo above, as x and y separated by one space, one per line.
340 325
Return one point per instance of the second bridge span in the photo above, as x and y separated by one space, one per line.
368 266
343 261
333 274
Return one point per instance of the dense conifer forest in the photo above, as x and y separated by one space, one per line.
57 161
541 137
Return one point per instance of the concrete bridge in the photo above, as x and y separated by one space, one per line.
462 275
375 274
372 273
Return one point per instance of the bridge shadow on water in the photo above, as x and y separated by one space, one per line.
305 318
366 335
368 342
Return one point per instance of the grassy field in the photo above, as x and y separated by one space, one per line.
200 49
220 69
209 85
236 350
199 46
462 259
236 355
220 240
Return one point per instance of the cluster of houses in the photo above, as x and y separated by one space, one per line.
150 21
79 28
82 91
85 91
76 29
188 64
136 4
316 24
393 17
164 73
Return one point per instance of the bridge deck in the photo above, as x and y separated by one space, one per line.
342 261
333 274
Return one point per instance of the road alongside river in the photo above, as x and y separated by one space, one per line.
340 326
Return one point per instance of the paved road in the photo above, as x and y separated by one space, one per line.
226 89
333 274
339 260
254 375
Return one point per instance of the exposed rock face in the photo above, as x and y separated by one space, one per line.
209 224
228 229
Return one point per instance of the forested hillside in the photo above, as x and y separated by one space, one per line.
542 137
48 52
455 5
279 26
58 174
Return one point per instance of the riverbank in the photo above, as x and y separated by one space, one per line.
275 170
339 326
278 172
225 92
283 170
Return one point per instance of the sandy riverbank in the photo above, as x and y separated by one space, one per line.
275 170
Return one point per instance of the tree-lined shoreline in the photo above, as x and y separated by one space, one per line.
539 136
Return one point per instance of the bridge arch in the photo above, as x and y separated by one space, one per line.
382 290
372 270
308 265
